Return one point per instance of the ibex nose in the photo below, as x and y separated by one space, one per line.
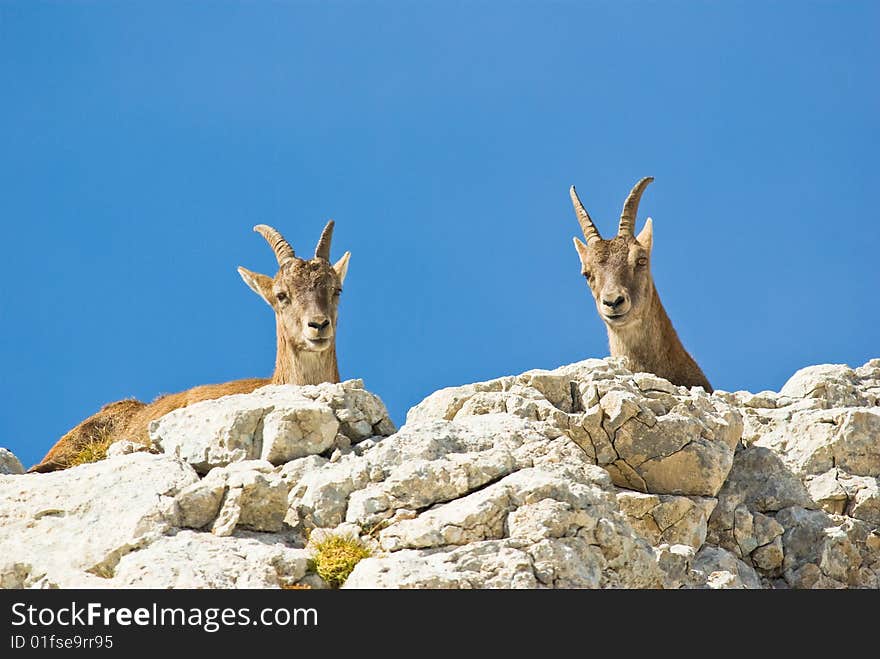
319 323
613 303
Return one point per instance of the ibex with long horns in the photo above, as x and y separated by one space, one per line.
618 272
304 294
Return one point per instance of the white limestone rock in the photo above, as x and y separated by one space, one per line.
585 476
67 528
249 495
277 423
9 464
189 559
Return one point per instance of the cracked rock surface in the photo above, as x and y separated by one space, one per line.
648 434
70 528
801 503
275 423
586 476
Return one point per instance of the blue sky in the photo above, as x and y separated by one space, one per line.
143 140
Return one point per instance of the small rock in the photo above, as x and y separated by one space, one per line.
769 557
200 502
9 464
828 492
125 447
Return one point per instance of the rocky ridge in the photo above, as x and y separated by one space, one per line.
584 476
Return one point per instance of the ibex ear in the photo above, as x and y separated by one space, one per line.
260 284
581 250
341 266
646 235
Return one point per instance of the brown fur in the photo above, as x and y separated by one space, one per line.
130 419
106 421
301 292
618 272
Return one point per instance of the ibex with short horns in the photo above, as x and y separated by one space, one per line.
304 294
618 272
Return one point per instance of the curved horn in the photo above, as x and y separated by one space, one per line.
283 250
627 225
590 231
322 251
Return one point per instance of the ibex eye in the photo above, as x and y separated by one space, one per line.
588 275
642 261
281 296
338 291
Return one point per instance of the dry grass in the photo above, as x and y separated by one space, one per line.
92 451
335 557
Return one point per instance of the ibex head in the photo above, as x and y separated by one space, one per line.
304 293
617 270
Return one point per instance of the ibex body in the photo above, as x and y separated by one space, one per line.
304 294
618 272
